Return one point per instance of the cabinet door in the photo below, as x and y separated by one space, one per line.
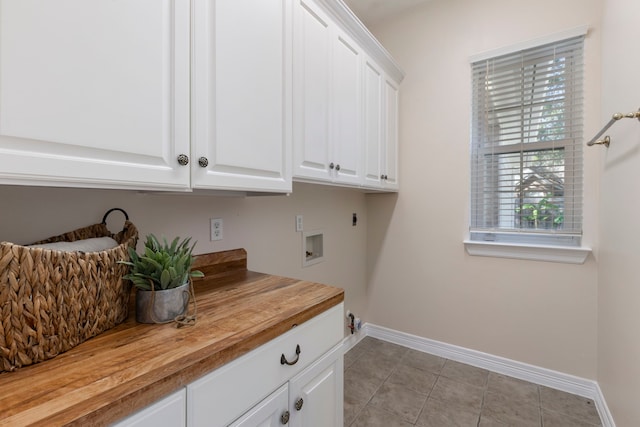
346 108
241 94
380 129
94 94
168 412
373 125
328 95
271 412
390 120
312 52
316 394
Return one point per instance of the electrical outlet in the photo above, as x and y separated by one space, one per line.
299 226
216 229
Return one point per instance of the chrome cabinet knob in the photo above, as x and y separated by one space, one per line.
337 167
284 418
331 166
299 404
203 162
183 160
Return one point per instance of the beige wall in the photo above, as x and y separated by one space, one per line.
404 265
619 286
264 226
421 280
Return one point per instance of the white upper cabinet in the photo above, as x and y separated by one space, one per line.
390 143
327 99
94 93
146 94
344 133
346 106
373 126
380 129
193 94
312 53
241 106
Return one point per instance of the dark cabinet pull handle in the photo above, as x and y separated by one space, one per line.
331 165
284 361
337 167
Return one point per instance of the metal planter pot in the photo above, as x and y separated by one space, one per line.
161 306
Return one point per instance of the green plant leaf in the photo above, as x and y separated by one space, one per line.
161 265
196 273
174 246
165 279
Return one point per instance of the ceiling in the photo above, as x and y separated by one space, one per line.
372 12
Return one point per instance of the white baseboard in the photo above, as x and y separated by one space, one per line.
535 374
351 340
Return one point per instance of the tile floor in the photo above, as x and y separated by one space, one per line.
393 386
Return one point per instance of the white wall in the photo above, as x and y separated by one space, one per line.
264 226
619 286
421 280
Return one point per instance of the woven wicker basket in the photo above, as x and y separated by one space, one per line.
51 301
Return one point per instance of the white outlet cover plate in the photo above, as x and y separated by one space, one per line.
216 229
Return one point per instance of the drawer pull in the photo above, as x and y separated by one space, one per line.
284 419
284 361
299 404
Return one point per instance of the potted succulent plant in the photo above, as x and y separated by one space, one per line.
162 277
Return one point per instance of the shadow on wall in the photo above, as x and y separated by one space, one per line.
624 146
380 208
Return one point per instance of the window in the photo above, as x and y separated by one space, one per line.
526 146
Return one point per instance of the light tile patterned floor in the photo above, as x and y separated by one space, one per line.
388 385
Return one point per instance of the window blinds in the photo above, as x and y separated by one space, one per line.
526 145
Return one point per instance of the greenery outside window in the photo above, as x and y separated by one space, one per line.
526 146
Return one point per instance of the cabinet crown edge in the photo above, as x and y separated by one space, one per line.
349 22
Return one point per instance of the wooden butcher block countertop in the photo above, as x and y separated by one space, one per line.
133 365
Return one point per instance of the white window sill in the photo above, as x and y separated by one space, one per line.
564 254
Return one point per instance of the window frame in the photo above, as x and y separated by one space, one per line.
524 244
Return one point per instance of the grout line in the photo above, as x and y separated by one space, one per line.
401 360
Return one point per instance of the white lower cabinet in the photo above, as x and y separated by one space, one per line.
312 398
168 412
295 379
271 412
316 394
304 363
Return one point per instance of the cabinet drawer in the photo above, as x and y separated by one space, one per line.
221 396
